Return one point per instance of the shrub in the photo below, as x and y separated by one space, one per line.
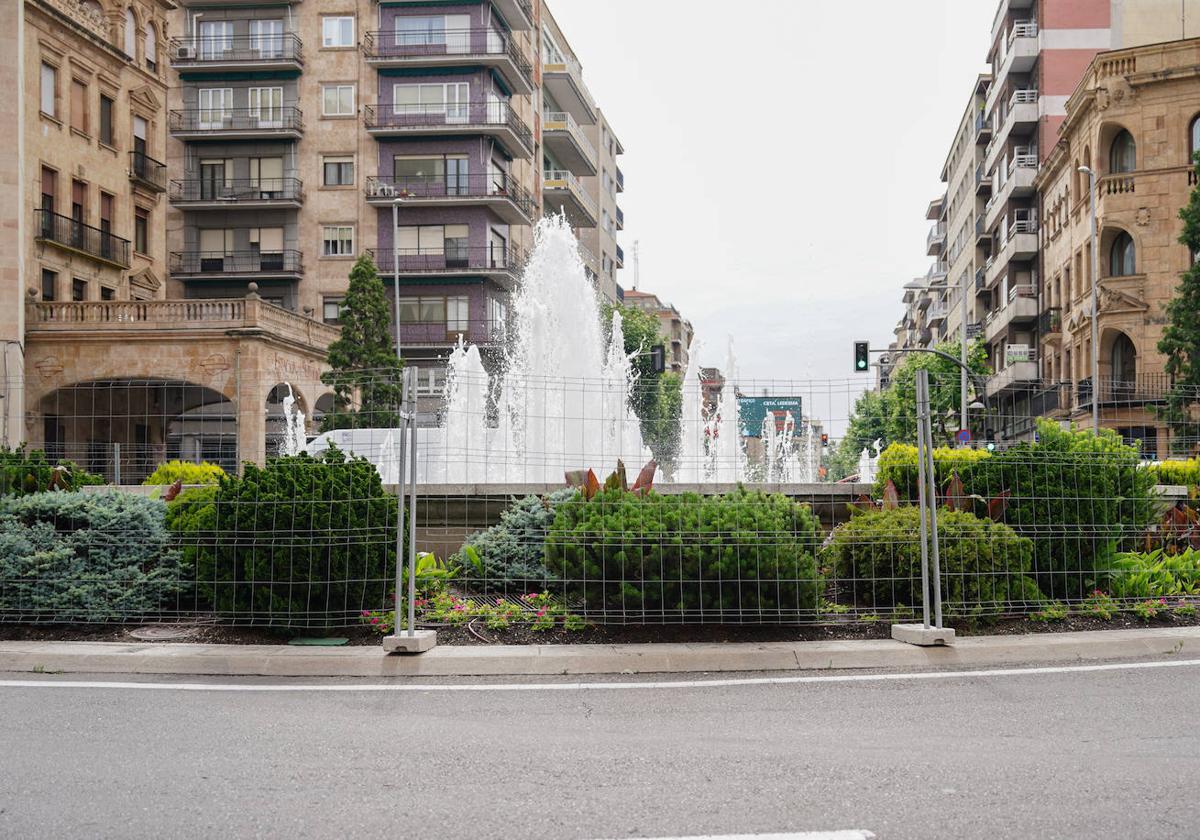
85 556
983 563
511 552
23 472
742 553
185 472
1052 613
1078 496
898 464
299 542
1155 574
1185 473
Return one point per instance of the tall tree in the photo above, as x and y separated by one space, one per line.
1180 341
364 368
658 397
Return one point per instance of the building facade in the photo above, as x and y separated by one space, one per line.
675 330
1134 120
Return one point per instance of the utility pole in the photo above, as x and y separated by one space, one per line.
637 266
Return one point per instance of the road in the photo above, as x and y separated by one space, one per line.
1051 753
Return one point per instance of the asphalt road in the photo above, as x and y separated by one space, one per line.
1094 753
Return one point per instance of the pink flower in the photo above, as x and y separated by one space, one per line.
541 613
366 612
375 620
499 602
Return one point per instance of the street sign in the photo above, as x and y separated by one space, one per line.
963 436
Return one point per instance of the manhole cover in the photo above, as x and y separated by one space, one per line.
164 632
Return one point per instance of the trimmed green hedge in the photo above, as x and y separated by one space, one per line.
984 564
86 557
898 463
185 472
739 555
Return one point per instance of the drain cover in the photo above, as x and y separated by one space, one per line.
164 632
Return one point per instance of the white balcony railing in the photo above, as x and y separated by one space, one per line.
562 121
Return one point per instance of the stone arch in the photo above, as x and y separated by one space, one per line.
324 405
279 417
1115 237
1117 147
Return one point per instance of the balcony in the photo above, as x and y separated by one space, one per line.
248 193
504 196
477 331
1018 183
451 48
1020 118
983 129
70 235
113 318
502 264
1020 370
1143 390
564 80
620 257
983 184
983 236
236 123
1020 51
935 241
568 143
1116 192
620 180
218 265
562 191
1050 324
518 14
145 171
937 272
491 119
1021 244
938 311
981 285
238 53
1021 307
620 219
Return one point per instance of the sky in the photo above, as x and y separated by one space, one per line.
779 160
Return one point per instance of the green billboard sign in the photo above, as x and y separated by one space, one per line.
752 411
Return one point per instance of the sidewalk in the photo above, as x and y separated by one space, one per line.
545 660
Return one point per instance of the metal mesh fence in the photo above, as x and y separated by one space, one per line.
733 501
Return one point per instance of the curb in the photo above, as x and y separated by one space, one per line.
550 660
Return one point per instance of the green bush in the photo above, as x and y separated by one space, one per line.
1185 473
898 463
185 472
300 542
85 557
1155 574
984 564
23 472
512 551
742 554
1078 496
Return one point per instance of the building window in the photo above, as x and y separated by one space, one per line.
79 110
106 120
338 240
49 104
1123 258
453 311
427 175
49 188
431 382
449 99
78 289
49 284
150 46
449 241
337 100
108 293
1194 139
141 228
331 310
337 31
130 34
1122 157
338 171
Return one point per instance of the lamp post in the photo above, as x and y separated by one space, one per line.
1087 170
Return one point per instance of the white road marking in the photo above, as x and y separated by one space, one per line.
856 834
602 686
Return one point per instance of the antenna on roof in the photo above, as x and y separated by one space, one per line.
637 268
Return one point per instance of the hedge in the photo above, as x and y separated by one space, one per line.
898 464
185 472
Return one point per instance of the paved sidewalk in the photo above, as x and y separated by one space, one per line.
543 660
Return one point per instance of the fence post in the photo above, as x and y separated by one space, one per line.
410 403
117 464
922 491
932 503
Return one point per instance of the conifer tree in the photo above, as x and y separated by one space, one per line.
1180 341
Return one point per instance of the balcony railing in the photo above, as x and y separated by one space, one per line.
1050 321
983 126
1143 389
463 115
231 120
1017 353
198 50
473 186
620 219
1024 291
562 121
236 262
148 171
243 190
396 44
1024 96
620 180
1023 29
562 179
620 257
936 234
92 241
475 330
1119 184
450 259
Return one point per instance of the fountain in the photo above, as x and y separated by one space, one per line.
294 440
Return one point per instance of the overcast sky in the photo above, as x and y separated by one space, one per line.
779 157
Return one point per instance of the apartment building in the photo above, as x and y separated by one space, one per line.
675 329
1134 120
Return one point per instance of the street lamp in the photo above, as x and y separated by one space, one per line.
1088 171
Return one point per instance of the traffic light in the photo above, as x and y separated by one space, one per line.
825 440
862 357
658 358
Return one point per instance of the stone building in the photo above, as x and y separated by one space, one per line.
675 330
1133 120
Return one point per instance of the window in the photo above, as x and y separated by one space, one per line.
453 312
78 289
141 229
266 176
266 105
215 106
49 104
338 171
337 32
1122 256
431 382
434 240
266 38
449 99
106 120
1122 156
331 310
458 314
338 240
49 284
79 109
130 34
139 136
151 48
420 31
108 293
1194 142
216 39
49 188
428 175
337 100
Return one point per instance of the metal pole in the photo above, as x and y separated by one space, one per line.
412 500
964 420
923 488
931 496
1095 310
402 427
117 464
396 274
